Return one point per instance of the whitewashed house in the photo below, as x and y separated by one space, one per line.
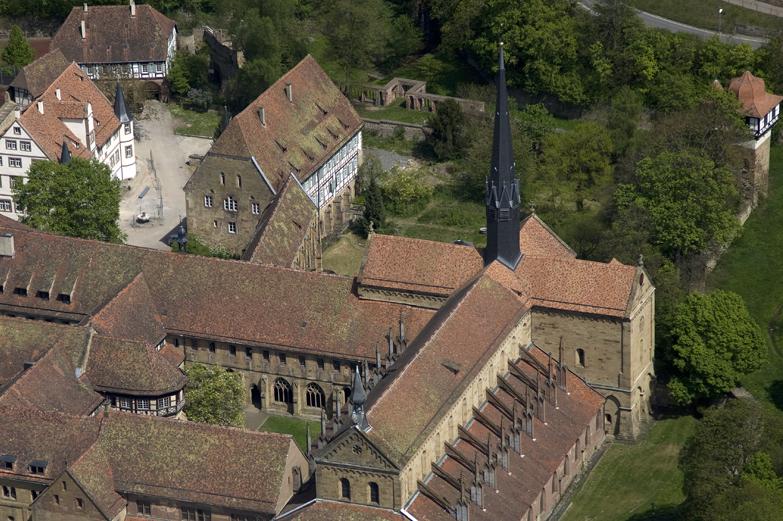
110 41
71 118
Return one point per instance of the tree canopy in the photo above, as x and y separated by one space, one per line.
79 199
715 342
214 395
449 138
17 52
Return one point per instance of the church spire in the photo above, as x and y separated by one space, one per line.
120 110
502 198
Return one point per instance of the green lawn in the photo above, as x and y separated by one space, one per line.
442 73
636 482
704 13
297 427
396 112
753 267
202 124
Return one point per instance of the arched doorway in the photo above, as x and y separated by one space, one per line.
255 396
612 416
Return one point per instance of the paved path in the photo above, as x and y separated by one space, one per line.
155 135
761 7
653 20
387 158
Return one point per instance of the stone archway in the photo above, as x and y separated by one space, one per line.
612 416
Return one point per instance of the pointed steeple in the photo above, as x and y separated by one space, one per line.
358 399
502 198
65 154
119 105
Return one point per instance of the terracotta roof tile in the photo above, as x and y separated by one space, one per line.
418 265
38 75
462 335
538 240
579 285
129 367
114 36
753 96
283 227
290 138
324 510
131 315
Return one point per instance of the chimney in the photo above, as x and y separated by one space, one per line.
6 245
58 94
262 116
85 7
133 8
40 107
84 29
289 92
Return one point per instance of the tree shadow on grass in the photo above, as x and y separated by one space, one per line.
666 513
775 392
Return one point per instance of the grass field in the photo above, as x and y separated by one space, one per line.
443 74
704 14
297 427
395 112
636 482
202 124
753 267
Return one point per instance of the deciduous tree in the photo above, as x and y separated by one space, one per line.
715 343
214 395
79 199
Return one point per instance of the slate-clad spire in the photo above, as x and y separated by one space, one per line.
65 154
119 105
502 198
358 399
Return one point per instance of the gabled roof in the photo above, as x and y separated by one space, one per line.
298 135
518 487
753 96
131 314
38 75
93 473
76 91
113 35
30 434
247 302
129 367
537 239
283 227
441 361
417 265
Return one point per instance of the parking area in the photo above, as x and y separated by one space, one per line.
162 164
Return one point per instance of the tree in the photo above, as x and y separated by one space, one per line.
17 52
682 224
374 215
715 343
728 473
214 395
449 137
178 77
79 199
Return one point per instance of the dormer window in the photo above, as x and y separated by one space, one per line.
65 298
7 462
22 292
37 467
42 294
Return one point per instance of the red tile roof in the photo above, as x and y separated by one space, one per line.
440 362
299 135
283 227
519 486
417 265
114 36
131 315
38 75
538 240
325 510
753 96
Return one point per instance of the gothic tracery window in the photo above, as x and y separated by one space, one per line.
314 396
283 392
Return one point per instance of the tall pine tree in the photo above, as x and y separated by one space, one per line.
18 52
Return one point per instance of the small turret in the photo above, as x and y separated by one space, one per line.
120 110
65 154
358 399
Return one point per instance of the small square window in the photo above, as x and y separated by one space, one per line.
266 356
143 404
320 363
17 131
208 201
25 146
10 144
302 361
249 352
336 365
255 208
14 162
79 503
232 350
232 227
128 151
211 347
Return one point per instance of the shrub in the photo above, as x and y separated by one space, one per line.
404 192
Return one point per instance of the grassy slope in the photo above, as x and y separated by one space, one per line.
636 480
294 426
201 124
704 13
753 267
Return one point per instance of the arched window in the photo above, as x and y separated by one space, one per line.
283 392
239 181
580 357
375 493
345 488
222 178
314 396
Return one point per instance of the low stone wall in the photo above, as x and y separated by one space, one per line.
386 128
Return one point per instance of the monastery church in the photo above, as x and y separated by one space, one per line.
449 383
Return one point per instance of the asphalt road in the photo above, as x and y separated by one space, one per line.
660 22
